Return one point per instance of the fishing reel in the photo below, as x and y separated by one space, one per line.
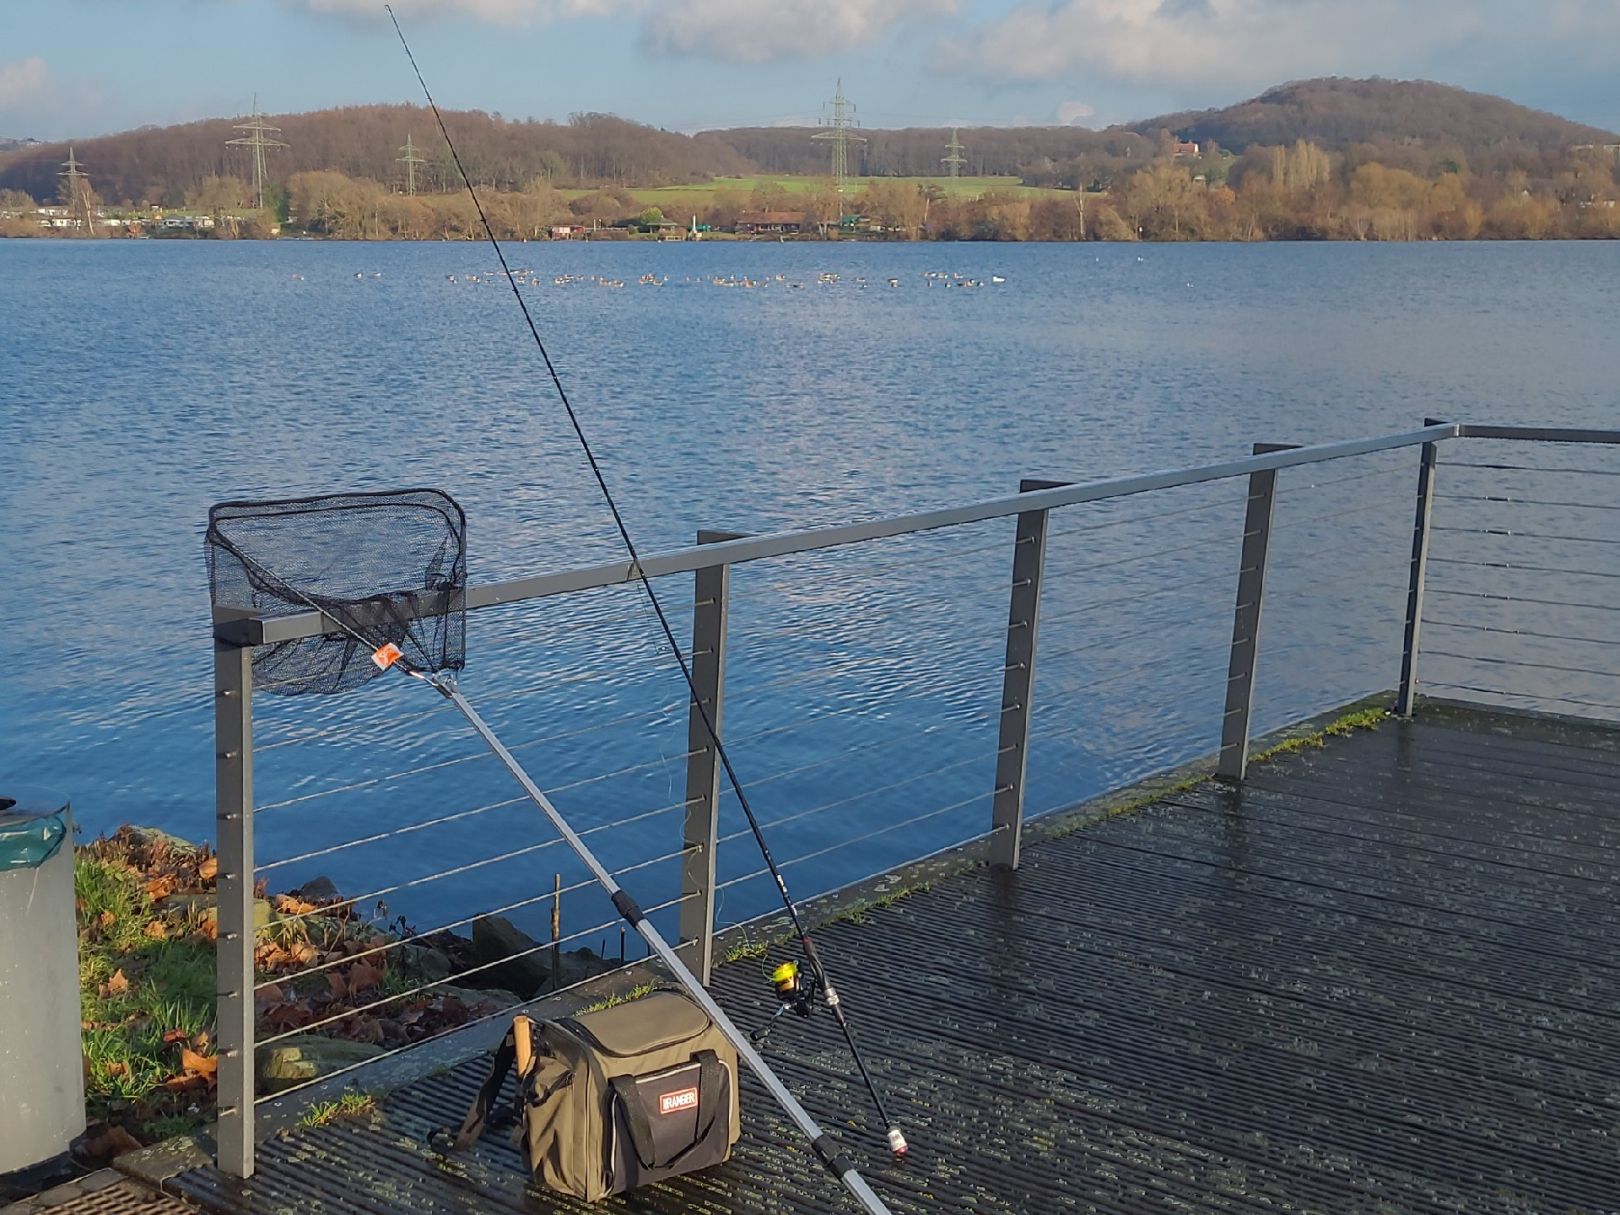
795 993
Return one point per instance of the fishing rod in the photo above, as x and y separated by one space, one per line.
819 980
387 655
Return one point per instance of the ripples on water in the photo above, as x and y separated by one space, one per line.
144 381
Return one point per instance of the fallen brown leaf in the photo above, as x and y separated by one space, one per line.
203 1065
363 976
157 930
118 985
209 869
117 1068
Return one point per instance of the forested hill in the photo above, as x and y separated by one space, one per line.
1338 113
164 164
1412 125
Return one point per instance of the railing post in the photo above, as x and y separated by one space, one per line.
712 590
234 935
1406 701
1234 758
1018 682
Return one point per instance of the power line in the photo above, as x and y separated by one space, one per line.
840 122
257 138
954 158
410 160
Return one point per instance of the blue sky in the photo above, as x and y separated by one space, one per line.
81 67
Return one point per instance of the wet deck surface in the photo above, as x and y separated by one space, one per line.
1383 978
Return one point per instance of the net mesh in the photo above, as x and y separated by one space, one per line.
387 567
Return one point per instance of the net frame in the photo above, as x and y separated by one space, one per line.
389 567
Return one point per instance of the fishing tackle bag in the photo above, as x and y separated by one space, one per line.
618 1098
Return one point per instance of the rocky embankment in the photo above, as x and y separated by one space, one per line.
334 985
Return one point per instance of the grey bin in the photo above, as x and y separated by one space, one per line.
41 1055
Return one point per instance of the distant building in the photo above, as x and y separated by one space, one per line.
756 222
1184 148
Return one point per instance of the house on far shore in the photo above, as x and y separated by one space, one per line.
1184 148
756 222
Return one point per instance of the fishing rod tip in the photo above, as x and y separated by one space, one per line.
897 1142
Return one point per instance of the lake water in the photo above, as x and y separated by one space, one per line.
143 381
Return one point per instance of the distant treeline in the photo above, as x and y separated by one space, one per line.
1299 193
1410 125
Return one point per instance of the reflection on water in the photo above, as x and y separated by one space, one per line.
146 380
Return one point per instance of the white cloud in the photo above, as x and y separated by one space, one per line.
496 12
23 82
740 31
737 31
1071 113
1217 43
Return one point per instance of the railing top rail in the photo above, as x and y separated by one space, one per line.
268 630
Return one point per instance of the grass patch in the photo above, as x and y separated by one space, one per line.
350 1105
635 993
1363 719
671 199
147 1003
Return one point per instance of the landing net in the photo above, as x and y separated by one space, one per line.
390 569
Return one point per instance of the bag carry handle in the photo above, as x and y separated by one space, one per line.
517 1047
711 1073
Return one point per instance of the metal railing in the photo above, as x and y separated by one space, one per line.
1017 722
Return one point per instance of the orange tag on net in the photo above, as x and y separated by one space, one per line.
386 655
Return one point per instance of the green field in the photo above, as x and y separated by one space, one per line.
671 199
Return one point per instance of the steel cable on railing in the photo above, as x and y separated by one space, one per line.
349 726
1399 513
1532 569
861 796
1594 472
372 896
449 980
1519 662
837 756
1174 593
417 937
1525 501
1491 628
859 839
844 667
1569 603
1292 486
1075 570
808 562
937 609
453 979
609 826
1508 532
337 1073
1077 528
1540 696
476 810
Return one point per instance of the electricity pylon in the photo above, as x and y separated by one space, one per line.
257 138
77 189
840 122
954 159
410 160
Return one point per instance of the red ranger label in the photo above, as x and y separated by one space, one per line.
680 1099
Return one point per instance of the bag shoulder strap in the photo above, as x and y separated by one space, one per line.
472 1126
